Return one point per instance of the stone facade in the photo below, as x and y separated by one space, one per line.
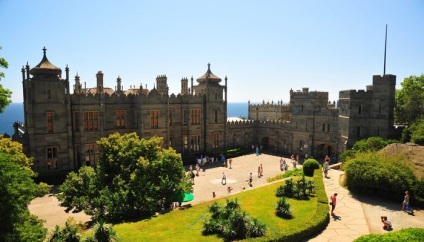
61 128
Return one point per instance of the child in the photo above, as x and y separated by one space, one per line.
387 224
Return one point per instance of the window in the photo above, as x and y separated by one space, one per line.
360 109
50 116
195 116
154 119
358 131
91 120
120 119
51 156
90 154
49 94
323 127
328 127
195 143
170 117
185 116
185 142
216 115
215 140
76 121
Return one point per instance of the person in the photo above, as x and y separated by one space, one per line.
192 176
262 170
197 169
257 150
259 171
224 179
405 205
229 162
325 167
250 179
387 224
229 189
333 203
327 159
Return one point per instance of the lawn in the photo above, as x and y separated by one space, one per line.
186 225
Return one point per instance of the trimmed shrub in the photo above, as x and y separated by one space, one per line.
373 173
309 166
409 234
283 208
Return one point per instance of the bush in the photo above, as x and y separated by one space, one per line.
409 234
309 166
372 173
231 223
283 208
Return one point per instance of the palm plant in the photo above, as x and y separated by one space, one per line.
104 232
283 208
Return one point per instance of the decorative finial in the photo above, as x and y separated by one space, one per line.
209 66
44 50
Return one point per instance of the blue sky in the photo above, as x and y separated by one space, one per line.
265 48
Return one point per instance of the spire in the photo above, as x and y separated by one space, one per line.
385 48
44 51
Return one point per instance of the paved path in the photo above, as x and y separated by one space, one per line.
356 215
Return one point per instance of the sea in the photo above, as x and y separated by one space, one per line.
15 112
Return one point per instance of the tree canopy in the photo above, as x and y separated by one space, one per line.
133 177
410 100
5 94
17 189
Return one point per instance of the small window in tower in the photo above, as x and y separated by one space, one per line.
216 96
185 116
50 116
216 115
49 94
323 127
360 109
328 127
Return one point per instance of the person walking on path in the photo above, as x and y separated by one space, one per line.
224 179
250 179
261 170
325 168
333 203
405 205
257 150
229 162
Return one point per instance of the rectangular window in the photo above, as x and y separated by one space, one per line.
76 121
90 154
358 131
91 120
216 115
49 94
195 116
185 116
185 142
360 109
215 140
50 116
154 119
195 143
120 119
328 127
51 157
323 127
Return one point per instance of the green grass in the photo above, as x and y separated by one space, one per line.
187 225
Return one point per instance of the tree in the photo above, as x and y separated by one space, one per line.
415 132
17 189
410 100
133 176
5 94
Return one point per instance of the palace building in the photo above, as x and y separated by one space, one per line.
62 124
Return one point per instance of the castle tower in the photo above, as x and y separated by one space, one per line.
118 85
161 84
184 86
99 78
48 117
